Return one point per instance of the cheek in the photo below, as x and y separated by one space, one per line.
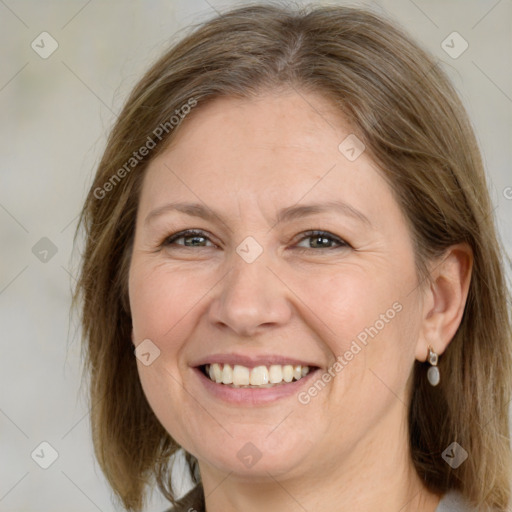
163 305
351 304
164 395
161 299
369 321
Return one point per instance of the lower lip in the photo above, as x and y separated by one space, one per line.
253 396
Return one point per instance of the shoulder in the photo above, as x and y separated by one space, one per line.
453 501
193 501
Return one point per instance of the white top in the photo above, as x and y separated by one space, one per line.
453 501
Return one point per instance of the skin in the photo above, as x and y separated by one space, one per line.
347 449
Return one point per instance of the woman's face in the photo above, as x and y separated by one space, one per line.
254 288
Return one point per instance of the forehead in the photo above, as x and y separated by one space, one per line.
276 149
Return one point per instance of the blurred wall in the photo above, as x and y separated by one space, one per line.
57 104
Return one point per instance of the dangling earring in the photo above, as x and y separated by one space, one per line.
433 375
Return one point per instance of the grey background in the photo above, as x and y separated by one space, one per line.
56 113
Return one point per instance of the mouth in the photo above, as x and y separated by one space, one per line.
257 377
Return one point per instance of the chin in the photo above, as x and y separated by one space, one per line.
254 457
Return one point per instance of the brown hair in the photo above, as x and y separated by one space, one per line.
401 105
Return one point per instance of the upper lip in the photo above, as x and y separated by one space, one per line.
251 361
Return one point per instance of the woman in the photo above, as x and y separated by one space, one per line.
291 225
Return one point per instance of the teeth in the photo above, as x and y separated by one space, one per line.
259 376
241 375
217 373
227 374
288 372
276 373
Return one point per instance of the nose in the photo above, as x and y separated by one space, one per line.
250 299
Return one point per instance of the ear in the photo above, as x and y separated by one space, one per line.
444 300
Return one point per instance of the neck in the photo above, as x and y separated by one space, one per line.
375 474
227 494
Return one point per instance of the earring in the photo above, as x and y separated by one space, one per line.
433 375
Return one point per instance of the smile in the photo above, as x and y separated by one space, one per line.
262 376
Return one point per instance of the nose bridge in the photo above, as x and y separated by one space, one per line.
250 296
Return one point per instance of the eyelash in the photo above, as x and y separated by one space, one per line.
170 240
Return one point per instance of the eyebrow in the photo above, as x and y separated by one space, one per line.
285 215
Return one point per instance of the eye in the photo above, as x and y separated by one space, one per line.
195 237
321 240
